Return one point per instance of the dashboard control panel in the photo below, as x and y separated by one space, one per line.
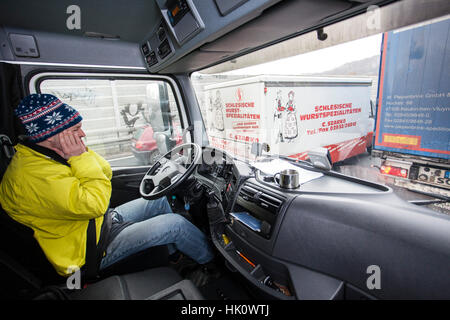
159 47
261 205
182 19
218 170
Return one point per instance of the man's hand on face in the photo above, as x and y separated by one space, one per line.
71 144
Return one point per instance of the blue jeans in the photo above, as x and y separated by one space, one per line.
155 224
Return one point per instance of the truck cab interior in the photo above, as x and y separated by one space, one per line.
127 65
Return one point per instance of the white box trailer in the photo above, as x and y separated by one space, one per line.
292 114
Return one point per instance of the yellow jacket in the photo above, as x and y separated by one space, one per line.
57 201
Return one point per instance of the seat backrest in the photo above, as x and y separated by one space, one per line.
6 153
22 261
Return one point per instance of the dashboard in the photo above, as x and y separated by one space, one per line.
218 172
317 242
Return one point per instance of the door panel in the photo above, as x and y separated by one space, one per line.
125 185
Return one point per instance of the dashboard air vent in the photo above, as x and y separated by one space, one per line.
264 199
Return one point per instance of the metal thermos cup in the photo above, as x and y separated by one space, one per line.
289 179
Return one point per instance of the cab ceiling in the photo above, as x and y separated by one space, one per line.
132 20
281 20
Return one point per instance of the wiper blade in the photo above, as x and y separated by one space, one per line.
297 162
309 164
441 198
426 202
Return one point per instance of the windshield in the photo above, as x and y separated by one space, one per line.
380 105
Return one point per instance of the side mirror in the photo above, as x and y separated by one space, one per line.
186 131
161 142
258 148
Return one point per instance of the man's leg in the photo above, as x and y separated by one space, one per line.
141 209
159 230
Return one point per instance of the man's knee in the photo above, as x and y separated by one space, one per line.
162 204
177 221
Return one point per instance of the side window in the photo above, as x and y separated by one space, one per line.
129 122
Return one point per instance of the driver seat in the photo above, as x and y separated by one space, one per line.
25 272
21 257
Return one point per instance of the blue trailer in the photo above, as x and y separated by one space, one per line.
412 131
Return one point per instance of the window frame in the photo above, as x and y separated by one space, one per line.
35 80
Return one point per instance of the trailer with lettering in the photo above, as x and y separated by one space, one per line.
293 114
412 135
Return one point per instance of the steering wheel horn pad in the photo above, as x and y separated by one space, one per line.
170 170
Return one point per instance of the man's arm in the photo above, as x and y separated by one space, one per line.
106 167
85 193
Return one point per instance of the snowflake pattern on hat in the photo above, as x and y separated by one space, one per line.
44 115
56 116
32 127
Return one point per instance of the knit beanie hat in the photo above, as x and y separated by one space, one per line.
44 115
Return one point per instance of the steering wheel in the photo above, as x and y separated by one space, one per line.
170 170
